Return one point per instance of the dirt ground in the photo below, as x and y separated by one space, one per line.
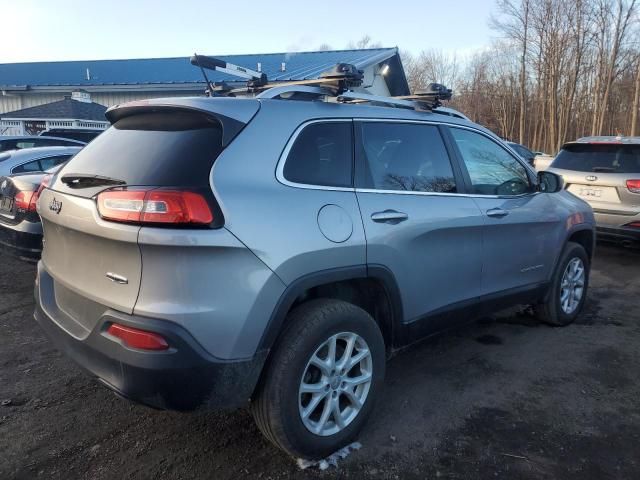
501 398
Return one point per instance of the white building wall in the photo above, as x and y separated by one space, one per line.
12 102
114 98
18 101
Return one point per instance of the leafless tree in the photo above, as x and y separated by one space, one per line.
365 42
561 69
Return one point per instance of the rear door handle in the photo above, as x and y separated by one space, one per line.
389 216
497 213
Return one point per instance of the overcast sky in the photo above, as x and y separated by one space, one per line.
47 30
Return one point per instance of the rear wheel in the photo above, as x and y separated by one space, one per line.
322 379
568 290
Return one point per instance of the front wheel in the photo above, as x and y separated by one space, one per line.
568 290
322 381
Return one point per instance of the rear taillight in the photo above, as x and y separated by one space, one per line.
633 225
135 338
46 180
154 206
633 186
24 201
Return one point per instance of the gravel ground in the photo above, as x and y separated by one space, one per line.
501 398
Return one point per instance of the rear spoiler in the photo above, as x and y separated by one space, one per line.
232 113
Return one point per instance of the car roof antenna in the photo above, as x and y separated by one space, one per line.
209 90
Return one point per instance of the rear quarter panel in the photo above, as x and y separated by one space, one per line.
279 223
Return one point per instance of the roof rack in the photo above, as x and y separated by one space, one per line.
336 83
356 97
431 97
339 79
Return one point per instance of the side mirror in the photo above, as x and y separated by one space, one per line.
549 182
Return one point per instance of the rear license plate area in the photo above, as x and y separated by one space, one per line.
6 204
595 193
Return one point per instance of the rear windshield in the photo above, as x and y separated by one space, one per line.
153 149
599 158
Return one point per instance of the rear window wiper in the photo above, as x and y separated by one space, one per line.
84 180
603 169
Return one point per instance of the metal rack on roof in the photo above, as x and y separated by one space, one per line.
335 84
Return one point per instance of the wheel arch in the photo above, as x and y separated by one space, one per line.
358 284
585 237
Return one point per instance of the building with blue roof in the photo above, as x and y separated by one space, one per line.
110 82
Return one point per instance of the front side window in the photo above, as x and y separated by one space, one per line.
493 171
321 155
404 156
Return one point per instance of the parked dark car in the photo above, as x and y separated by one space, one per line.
18 143
20 227
523 151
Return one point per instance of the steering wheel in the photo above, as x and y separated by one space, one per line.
513 186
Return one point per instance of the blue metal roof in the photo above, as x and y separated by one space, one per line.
299 66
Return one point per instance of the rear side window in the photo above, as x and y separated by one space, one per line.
50 162
27 167
153 149
321 155
599 158
398 156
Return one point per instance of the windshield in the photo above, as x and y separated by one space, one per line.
615 158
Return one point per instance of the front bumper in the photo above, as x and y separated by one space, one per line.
25 245
185 377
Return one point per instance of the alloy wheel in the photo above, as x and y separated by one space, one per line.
572 285
335 384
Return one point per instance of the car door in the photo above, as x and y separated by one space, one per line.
416 223
522 226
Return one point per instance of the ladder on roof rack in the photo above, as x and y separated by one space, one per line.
334 83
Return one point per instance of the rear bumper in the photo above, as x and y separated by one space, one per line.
183 378
619 234
25 245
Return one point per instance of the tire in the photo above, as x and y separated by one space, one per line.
277 404
552 310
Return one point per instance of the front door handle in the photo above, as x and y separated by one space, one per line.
497 213
389 216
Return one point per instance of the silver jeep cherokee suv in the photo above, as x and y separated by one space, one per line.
219 252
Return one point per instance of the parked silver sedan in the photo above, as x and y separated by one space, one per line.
34 159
